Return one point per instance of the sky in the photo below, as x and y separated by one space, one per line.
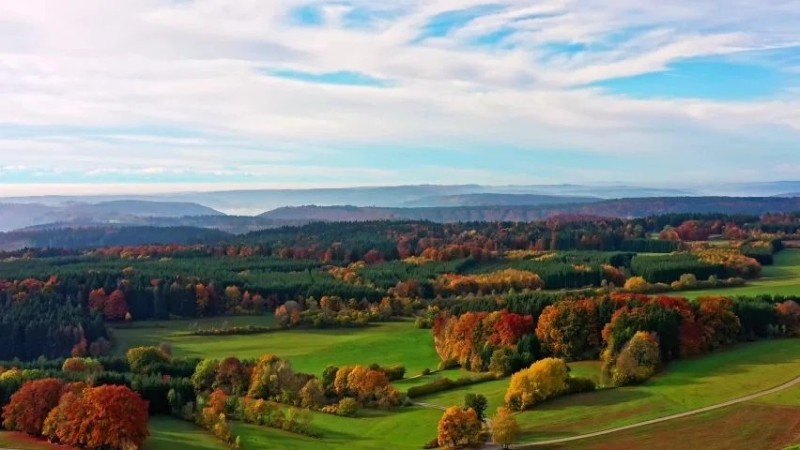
101 96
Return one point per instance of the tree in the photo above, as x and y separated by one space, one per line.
231 376
312 395
81 365
116 307
544 379
204 375
30 406
570 329
504 427
108 417
140 358
478 403
459 428
636 284
638 360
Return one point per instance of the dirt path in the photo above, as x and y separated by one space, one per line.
746 398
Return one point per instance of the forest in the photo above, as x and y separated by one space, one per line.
499 299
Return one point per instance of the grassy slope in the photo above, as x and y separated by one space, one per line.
686 385
309 350
782 278
167 433
769 422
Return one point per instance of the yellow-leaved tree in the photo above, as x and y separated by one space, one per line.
544 379
504 427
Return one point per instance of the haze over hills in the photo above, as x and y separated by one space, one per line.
21 215
256 201
244 210
628 207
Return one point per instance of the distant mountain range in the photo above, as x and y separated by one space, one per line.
21 215
256 201
498 200
241 211
627 207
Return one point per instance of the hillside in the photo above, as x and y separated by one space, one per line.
630 207
492 199
22 215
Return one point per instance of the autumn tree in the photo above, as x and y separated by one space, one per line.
788 314
205 374
505 428
30 405
104 417
141 358
477 403
544 379
570 329
312 395
76 364
116 307
459 428
231 376
637 361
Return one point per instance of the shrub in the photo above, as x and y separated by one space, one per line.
347 407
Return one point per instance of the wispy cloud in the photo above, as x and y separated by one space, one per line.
150 89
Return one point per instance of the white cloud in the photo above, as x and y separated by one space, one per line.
101 68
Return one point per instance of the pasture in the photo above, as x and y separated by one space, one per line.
309 350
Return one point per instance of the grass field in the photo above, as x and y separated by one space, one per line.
781 278
309 350
686 385
768 422
167 433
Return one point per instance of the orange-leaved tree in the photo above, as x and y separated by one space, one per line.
459 428
107 417
30 405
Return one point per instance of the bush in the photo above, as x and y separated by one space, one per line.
446 384
448 364
576 385
347 407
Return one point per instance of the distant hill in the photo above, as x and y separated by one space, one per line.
80 238
21 215
491 199
629 207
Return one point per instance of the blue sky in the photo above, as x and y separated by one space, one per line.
153 95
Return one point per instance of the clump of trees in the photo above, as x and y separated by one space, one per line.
107 416
476 340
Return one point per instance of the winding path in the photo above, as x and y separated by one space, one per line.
746 398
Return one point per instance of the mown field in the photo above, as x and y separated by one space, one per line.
309 351
769 422
781 278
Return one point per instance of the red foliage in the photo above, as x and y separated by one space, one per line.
116 307
108 416
30 405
